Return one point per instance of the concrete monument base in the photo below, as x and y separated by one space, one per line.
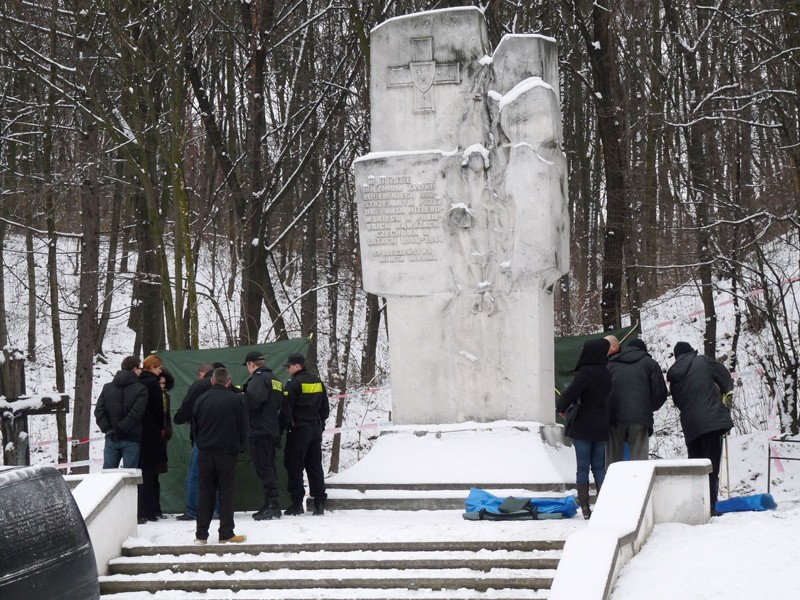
434 466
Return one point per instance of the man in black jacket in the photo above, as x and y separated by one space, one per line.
698 385
304 412
184 415
263 397
220 429
637 391
119 413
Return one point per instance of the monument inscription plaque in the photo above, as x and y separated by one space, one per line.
462 208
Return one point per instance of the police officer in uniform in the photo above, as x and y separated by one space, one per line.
304 412
263 397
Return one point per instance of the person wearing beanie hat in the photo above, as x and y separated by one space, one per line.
637 391
698 384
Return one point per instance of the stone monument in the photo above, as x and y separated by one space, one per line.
462 208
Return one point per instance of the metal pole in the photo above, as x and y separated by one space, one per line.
769 465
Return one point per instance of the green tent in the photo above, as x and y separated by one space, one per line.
183 365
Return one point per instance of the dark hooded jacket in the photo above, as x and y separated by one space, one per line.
592 385
697 384
121 405
637 387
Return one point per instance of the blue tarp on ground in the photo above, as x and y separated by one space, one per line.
757 502
479 499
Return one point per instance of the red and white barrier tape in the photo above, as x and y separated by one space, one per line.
70 441
700 311
363 427
366 391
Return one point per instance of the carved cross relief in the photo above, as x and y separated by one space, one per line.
423 72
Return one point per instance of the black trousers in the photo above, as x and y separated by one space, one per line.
262 453
149 504
709 445
217 475
304 452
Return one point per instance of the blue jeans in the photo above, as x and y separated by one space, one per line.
123 450
590 455
193 485
193 482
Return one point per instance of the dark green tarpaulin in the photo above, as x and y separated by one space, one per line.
183 364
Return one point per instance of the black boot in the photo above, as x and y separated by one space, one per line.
273 511
319 504
259 514
296 508
270 510
583 499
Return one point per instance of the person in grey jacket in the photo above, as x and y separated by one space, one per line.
637 391
119 412
698 384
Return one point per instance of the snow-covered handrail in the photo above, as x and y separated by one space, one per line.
636 495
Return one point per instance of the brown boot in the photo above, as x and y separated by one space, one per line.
583 499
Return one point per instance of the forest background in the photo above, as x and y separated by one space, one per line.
153 133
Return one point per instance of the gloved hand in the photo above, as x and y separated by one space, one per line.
112 436
727 399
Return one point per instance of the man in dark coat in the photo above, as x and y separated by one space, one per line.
119 413
220 429
263 398
184 415
698 385
304 412
637 391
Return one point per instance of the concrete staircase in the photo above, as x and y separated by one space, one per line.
511 569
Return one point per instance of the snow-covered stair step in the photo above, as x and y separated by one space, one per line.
424 496
431 565
350 578
382 546
338 594
481 560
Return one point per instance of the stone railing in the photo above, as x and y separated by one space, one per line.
107 501
636 496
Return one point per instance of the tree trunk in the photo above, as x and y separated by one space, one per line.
111 260
90 250
610 126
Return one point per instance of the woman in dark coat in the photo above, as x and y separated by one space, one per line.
153 453
589 432
167 382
